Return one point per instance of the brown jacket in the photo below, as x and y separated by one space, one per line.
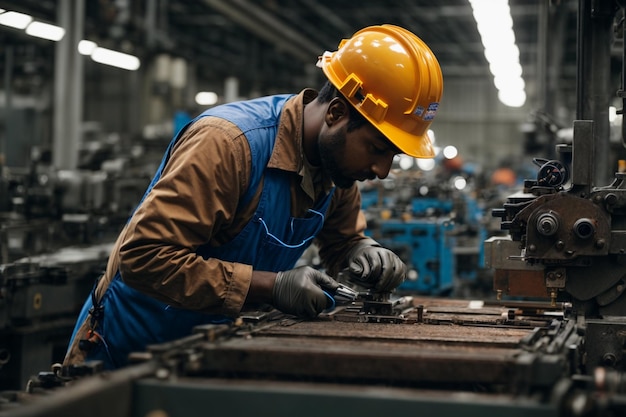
195 201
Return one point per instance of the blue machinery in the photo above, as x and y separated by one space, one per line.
426 246
440 240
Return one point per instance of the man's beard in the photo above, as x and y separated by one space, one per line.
329 149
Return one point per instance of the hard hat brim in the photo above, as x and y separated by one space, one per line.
417 146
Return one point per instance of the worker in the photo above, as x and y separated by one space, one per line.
244 188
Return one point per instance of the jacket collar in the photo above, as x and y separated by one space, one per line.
288 153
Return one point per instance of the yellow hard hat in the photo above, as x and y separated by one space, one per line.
393 79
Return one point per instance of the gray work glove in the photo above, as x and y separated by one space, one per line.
373 266
299 291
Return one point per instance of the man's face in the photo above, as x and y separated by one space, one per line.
359 155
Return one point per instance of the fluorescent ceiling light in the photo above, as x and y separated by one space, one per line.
115 59
15 20
206 98
86 47
45 31
495 25
512 98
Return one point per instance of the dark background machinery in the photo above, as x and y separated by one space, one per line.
57 230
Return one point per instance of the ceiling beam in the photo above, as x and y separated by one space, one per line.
266 26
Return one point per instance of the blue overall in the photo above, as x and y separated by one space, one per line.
271 241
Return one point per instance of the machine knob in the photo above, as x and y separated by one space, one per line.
584 228
547 224
551 173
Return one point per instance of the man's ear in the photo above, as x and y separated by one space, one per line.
337 111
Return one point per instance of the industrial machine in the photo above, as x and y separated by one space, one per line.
567 231
56 232
438 230
407 355
40 297
551 344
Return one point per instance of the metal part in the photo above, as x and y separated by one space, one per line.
40 297
345 294
447 357
567 239
551 173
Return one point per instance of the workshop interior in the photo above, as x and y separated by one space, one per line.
514 234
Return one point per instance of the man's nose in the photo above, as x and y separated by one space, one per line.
382 166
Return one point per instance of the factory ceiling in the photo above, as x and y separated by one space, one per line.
271 45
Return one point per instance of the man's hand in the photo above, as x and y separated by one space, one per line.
299 291
376 267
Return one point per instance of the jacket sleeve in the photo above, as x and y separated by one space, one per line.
344 228
195 198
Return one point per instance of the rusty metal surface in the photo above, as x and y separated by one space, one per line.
520 283
516 354
303 358
452 344
345 332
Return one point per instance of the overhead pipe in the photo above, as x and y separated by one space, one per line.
329 15
267 27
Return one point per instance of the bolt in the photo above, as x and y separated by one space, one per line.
547 224
532 248
584 228
610 199
553 298
559 245
600 243
609 359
